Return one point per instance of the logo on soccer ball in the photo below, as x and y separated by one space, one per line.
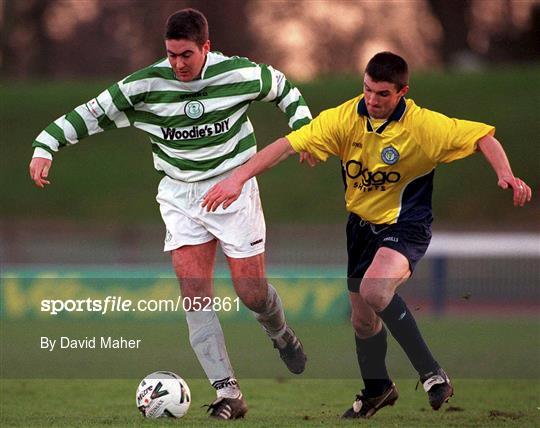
194 109
389 155
163 394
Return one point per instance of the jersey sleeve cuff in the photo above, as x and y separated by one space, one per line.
295 143
489 130
41 153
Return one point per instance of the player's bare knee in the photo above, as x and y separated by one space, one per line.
377 297
252 291
255 305
196 287
254 299
365 327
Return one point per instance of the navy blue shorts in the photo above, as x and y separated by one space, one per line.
364 239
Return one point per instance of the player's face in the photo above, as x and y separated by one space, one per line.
186 58
381 97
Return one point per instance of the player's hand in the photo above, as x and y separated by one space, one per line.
225 192
522 192
39 170
309 158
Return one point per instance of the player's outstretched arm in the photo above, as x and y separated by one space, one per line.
494 153
107 111
228 190
39 171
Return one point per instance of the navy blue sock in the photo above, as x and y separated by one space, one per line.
371 354
402 325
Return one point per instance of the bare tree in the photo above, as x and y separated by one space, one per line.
25 45
454 17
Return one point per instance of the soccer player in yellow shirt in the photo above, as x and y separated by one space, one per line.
389 148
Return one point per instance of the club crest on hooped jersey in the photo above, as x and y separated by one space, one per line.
194 109
389 155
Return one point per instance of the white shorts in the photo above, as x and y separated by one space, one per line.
240 228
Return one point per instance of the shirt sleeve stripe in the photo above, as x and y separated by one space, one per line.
286 89
266 82
43 146
104 122
45 138
110 109
292 108
301 113
287 98
78 124
56 132
118 98
300 122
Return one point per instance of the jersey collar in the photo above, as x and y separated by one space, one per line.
205 65
396 115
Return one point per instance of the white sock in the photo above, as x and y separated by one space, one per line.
272 319
208 343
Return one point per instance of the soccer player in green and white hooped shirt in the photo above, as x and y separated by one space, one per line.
194 107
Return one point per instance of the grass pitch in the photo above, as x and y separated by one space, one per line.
272 403
493 363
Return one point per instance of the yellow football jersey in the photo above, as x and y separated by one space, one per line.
388 166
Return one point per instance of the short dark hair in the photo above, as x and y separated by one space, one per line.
189 24
388 67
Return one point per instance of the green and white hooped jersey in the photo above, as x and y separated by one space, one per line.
198 129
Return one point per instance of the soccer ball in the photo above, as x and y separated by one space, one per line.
163 394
